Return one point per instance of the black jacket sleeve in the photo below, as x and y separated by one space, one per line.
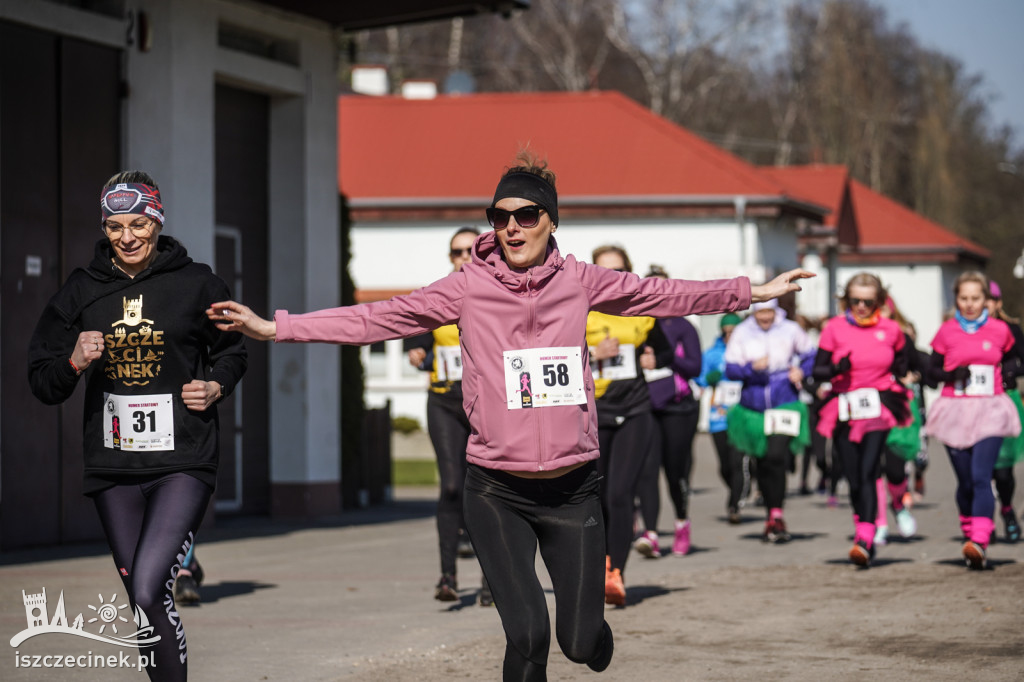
901 361
227 356
50 375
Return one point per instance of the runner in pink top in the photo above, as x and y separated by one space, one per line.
973 414
521 308
862 353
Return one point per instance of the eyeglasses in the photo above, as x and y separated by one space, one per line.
140 228
455 253
526 216
869 302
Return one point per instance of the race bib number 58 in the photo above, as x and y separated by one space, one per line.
138 422
543 377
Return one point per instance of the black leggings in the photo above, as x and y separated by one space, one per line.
894 467
449 433
677 428
771 471
508 517
862 463
1006 484
730 468
150 528
624 450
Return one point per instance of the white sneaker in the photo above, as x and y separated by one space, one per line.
906 522
881 536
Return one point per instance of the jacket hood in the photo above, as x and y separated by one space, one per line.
170 255
108 279
487 253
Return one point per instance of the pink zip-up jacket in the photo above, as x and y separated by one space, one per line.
497 310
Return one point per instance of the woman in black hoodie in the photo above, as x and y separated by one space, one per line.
155 367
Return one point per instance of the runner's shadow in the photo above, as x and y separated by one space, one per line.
213 592
465 600
793 537
636 594
991 563
877 562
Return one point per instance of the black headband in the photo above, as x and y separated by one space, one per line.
526 185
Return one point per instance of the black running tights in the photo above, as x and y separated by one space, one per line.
624 450
150 528
677 432
449 433
771 472
730 468
862 464
508 517
1005 485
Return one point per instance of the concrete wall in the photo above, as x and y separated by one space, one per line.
169 131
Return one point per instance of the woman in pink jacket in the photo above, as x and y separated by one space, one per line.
527 389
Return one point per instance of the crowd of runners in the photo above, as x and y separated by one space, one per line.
559 392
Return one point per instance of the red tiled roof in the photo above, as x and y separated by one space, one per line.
821 183
886 225
601 144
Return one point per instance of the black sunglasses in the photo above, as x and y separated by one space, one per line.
869 302
526 216
455 253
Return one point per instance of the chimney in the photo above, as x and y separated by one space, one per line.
370 79
419 89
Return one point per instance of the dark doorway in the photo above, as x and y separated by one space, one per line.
60 131
242 189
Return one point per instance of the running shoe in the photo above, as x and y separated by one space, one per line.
446 588
775 532
196 570
614 589
974 555
919 486
734 516
464 549
882 536
906 523
484 596
186 591
647 544
861 554
681 544
1012 526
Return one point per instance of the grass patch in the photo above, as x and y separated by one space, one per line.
414 472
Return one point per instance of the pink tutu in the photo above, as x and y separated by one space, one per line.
960 422
828 418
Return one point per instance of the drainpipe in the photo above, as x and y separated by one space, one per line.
740 206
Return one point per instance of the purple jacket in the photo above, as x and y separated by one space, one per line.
685 363
498 309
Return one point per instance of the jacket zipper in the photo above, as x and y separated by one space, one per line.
531 327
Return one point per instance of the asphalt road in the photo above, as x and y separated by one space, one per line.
350 598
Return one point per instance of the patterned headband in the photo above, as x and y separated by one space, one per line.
133 197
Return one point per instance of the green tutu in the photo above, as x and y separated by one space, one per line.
905 441
1012 450
746 430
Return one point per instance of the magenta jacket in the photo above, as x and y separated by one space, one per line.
498 309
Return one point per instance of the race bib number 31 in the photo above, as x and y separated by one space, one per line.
138 422
543 377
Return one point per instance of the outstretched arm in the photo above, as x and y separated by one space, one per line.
783 284
230 316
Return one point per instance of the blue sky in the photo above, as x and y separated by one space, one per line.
986 35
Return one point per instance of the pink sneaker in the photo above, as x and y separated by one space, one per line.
681 545
647 544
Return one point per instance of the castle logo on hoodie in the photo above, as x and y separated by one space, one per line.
134 349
